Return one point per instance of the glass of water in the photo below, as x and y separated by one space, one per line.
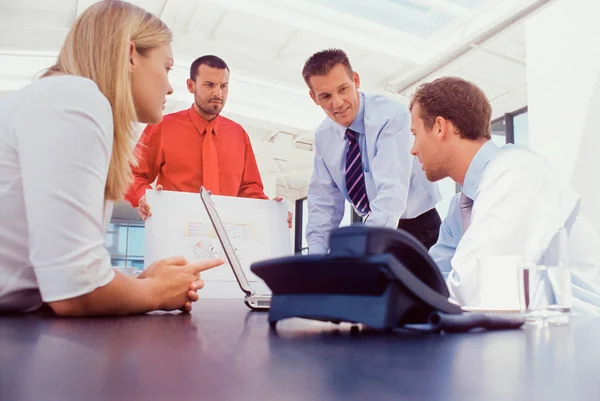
541 291
545 290
545 293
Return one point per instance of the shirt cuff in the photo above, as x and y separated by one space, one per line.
134 195
382 220
317 249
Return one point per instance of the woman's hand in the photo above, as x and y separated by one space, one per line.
176 281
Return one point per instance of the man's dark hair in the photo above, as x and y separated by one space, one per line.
456 100
209 60
322 62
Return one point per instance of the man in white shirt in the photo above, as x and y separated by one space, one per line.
511 202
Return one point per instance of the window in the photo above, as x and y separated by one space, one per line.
521 129
499 131
516 127
300 244
125 242
512 128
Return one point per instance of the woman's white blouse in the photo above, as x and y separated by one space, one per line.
56 138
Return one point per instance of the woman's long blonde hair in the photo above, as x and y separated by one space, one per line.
98 47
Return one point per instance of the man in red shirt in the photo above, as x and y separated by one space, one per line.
197 147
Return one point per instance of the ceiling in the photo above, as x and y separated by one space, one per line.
393 44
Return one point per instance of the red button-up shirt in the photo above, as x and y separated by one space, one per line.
172 152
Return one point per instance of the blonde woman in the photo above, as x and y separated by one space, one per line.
66 149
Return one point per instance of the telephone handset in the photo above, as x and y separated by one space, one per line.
380 277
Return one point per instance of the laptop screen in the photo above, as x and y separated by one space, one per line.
228 248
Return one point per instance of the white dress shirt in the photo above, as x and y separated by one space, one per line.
56 138
395 183
518 207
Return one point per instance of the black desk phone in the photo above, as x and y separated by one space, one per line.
380 277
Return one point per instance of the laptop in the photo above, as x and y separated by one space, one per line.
252 299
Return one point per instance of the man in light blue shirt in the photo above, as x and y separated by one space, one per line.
362 155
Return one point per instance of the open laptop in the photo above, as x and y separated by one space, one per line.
252 299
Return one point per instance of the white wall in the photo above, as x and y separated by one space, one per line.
270 185
563 80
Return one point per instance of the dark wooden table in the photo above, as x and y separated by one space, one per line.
222 351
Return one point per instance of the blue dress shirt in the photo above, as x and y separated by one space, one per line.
395 182
451 230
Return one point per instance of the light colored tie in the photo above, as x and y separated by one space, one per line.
466 206
210 161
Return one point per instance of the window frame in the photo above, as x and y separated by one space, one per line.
125 258
509 123
299 229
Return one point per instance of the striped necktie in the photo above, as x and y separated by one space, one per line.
355 178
